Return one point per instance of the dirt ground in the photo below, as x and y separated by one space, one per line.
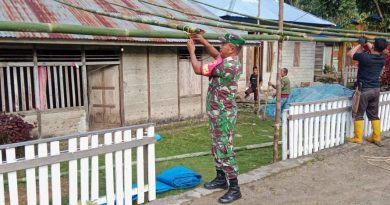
344 177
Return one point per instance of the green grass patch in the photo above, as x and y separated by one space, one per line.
196 137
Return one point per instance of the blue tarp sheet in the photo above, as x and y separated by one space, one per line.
178 177
309 94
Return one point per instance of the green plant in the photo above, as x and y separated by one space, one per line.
14 129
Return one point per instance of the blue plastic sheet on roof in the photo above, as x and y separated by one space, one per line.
310 94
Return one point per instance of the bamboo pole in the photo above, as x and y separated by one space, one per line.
278 88
285 30
102 31
186 28
260 67
298 25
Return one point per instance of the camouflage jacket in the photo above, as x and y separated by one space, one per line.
223 86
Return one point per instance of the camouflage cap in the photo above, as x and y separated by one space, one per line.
233 39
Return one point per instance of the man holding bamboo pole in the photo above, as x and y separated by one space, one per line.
221 108
370 67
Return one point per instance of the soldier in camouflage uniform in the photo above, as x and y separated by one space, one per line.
221 107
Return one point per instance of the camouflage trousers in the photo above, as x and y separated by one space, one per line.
221 127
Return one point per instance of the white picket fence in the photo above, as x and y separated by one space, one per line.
88 158
313 126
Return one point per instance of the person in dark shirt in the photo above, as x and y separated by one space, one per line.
370 67
253 83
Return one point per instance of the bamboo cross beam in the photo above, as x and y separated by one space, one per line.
214 24
186 28
118 32
286 30
298 25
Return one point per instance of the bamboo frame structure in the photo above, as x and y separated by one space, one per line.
300 26
214 24
102 31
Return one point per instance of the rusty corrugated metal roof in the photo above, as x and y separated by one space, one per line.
49 11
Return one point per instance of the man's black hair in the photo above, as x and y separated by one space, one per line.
380 44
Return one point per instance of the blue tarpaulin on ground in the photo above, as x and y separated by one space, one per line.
309 94
180 177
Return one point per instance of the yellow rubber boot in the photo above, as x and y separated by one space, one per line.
358 130
376 133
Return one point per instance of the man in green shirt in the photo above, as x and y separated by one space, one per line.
285 83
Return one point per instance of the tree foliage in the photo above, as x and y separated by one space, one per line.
342 12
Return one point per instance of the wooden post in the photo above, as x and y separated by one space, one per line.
121 89
278 88
148 81
258 65
85 87
36 89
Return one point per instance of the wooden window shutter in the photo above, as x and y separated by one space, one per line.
297 54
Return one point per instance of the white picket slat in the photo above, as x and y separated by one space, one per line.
327 126
84 172
322 127
128 175
140 169
306 131
55 174
151 167
338 104
316 129
109 172
387 114
343 123
311 126
43 177
94 170
333 126
295 134
366 125
300 132
12 178
291 131
284 135
119 170
31 184
73 182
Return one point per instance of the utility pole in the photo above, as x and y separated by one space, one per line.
278 88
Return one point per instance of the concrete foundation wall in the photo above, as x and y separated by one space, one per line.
58 122
163 83
63 122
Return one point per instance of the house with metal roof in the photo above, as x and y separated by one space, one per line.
72 83
269 10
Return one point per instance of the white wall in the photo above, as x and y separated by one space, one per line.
302 73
